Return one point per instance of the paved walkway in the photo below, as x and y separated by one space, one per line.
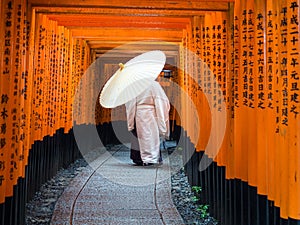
113 191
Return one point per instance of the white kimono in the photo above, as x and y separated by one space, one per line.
150 112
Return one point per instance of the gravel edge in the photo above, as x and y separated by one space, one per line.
40 209
182 193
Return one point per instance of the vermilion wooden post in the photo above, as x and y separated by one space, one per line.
205 118
70 84
231 94
198 79
209 26
275 10
183 78
189 74
238 129
3 88
67 79
221 78
9 110
261 108
230 168
29 105
47 71
271 96
23 92
283 114
36 80
58 77
251 74
293 68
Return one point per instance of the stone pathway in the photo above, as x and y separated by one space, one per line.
113 191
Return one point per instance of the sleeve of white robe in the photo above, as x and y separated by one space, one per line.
130 113
162 107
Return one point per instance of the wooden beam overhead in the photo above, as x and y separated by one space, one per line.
110 54
191 5
124 11
104 23
104 46
149 22
126 34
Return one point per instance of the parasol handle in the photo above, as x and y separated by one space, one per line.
121 65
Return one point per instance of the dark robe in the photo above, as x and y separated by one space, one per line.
135 154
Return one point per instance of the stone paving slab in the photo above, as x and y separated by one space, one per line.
123 221
113 191
119 214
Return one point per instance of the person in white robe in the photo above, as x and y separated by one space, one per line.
148 113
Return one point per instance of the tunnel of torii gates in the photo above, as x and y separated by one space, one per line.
237 67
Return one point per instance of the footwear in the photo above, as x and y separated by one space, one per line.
153 164
148 164
138 163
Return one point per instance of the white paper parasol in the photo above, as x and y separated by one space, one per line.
132 79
